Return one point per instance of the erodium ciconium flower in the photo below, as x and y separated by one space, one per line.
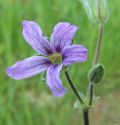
52 56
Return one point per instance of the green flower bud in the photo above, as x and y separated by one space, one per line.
97 10
100 10
96 74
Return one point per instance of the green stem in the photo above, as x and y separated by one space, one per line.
73 87
85 110
91 93
86 116
96 59
98 47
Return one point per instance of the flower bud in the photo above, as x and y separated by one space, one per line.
100 10
96 10
96 74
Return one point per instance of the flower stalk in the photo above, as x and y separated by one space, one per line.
97 51
90 91
97 11
95 60
73 87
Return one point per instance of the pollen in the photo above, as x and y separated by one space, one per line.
55 58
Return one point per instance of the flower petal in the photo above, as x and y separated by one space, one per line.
33 35
54 81
74 54
28 67
62 35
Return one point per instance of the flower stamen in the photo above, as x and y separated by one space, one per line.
55 58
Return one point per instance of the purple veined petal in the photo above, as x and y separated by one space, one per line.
28 67
74 54
33 36
53 80
62 35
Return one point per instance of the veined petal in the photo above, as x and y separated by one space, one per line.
53 80
33 35
74 54
62 35
28 67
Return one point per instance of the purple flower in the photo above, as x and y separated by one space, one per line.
52 55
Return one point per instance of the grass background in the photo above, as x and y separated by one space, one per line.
29 101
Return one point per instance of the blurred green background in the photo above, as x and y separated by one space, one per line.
29 101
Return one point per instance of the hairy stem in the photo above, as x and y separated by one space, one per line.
73 87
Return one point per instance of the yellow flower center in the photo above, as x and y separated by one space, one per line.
55 58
